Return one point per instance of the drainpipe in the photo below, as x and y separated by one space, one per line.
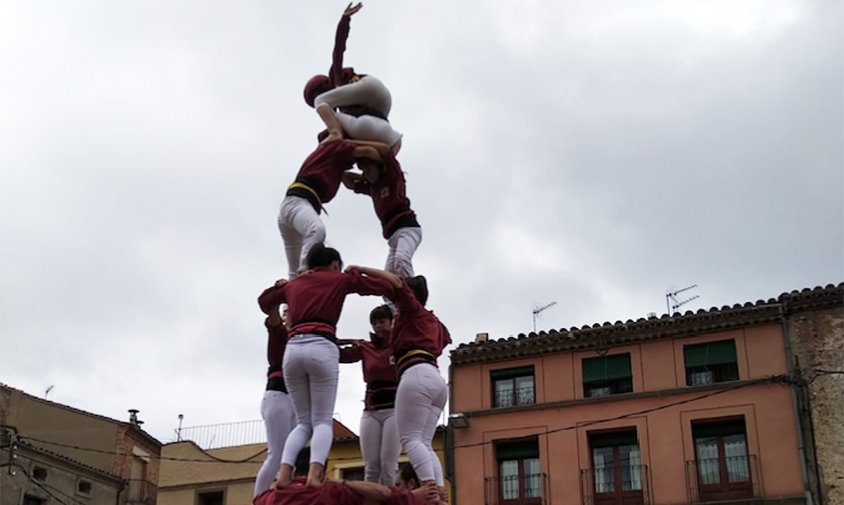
801 446
449 438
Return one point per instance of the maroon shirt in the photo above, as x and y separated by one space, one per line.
315 299
337 75
379 372
389 198
322 172
415 328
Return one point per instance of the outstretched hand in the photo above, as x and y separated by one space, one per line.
352 9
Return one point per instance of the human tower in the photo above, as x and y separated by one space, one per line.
405 393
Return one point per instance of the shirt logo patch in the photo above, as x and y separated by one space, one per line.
385 192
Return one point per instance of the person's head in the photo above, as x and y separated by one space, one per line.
316 86
407 478
419 286
326 258
381 319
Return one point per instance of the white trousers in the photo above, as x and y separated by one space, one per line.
301 228
277 411
403 244
379 444
368 91
311 367
368 128
420 400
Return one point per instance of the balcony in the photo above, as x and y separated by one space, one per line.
140 492
718 479
615 485
530 489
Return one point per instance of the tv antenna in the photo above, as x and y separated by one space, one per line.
672 303
539 310
47 391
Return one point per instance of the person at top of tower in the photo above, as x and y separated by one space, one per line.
364 102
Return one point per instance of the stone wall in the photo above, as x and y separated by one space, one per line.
817 339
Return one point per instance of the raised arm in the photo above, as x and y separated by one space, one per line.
335 75
391 278
381 150
270 300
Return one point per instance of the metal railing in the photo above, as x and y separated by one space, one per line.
629 484
213 436
511 397
140 491
530 489
714 479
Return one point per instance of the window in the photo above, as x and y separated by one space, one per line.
723 465
353 473
29 499
39 473
513 386
210 498
710 362
607 375
83 487
617 468
519 478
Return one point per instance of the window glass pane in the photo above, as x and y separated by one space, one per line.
524 390
509 475
629 460
735 451
504 393
604 472
707 460
532 478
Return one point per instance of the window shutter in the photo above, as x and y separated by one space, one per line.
517 450
710 353
606 368
511 373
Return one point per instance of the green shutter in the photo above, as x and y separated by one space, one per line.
517 450
606 368
612 439
710 353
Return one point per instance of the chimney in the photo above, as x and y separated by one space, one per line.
651 315
133 418
481 337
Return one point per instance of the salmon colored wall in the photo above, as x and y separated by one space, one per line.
665 436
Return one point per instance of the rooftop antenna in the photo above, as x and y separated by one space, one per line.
179 429
538 310
47 391
672 303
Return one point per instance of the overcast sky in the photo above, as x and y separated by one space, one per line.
589 154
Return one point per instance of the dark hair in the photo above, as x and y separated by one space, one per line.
419 286
322 256
303 462
408 475
380 312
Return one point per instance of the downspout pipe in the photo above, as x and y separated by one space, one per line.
801 446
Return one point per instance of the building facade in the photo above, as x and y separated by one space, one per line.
692 408
104 447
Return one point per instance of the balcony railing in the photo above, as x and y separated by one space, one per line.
615 485
519 396
531 489
717 479
140 491
213 436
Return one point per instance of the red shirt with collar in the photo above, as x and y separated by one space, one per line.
379 372
315 299
389 197
322 172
